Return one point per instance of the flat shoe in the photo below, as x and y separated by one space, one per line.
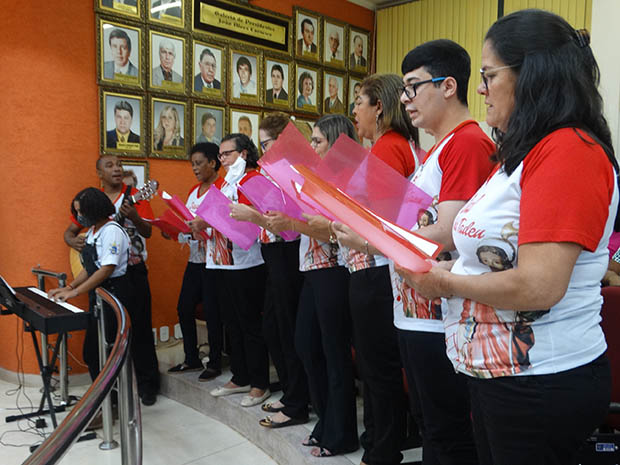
321 452
267 422
184 368
310 442
224 391
249 401
268 407
209 373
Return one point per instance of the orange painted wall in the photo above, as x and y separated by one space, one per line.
49 141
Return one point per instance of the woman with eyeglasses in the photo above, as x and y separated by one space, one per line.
284 282
528 336
323 329
241 281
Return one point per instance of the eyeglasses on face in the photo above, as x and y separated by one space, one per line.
485 77
265 143
411 90
225 154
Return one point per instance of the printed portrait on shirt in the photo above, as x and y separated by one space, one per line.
120 60
209 70
122 124
167 62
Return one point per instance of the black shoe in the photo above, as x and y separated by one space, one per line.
149 399
184 367
209 373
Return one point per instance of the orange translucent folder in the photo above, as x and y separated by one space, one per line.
407 249
170 224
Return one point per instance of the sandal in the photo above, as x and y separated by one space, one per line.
267 422
268 407
310 442
321 452
185 368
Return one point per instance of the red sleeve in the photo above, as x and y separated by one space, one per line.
143 207
75 222
567 186
194 187
394 150
465 163
249 175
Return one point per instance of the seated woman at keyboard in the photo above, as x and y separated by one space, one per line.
104 257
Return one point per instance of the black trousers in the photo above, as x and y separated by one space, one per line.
245 292
323 343
377 358
439 400
539 420
284 285
199 286
142 342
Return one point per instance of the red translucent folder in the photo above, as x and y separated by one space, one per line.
215 210
180 209
171 224
407 249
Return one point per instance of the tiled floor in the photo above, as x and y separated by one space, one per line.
172 434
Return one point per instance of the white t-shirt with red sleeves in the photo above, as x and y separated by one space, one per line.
315 254
222 253
564 191
197 251
453 170
112 245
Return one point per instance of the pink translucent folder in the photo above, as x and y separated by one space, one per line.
171 224
215 211
266 196
291 148
407 249
180 209
372 182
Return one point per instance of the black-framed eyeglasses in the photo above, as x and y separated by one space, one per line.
411 90
225 153
263 143
485 78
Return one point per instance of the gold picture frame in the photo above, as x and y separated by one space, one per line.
304 102
168 140
120 54
164 48
131 8
244 64
167 12
278 71
308 28
122 125
333 81
355 36
207 118
354 82
139 168
210 53
335 44
237 118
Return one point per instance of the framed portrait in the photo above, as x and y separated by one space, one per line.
334 44
359 52
278 83
166 62
209 124
168 128
355 84
308 95
334 92
120 49
135 172
244 83
122 127
209 70
123 7
167 12
307 35
246 122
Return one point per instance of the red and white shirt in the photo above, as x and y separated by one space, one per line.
453 170
564 191
222 253
197 251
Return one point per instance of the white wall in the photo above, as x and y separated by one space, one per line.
605 41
